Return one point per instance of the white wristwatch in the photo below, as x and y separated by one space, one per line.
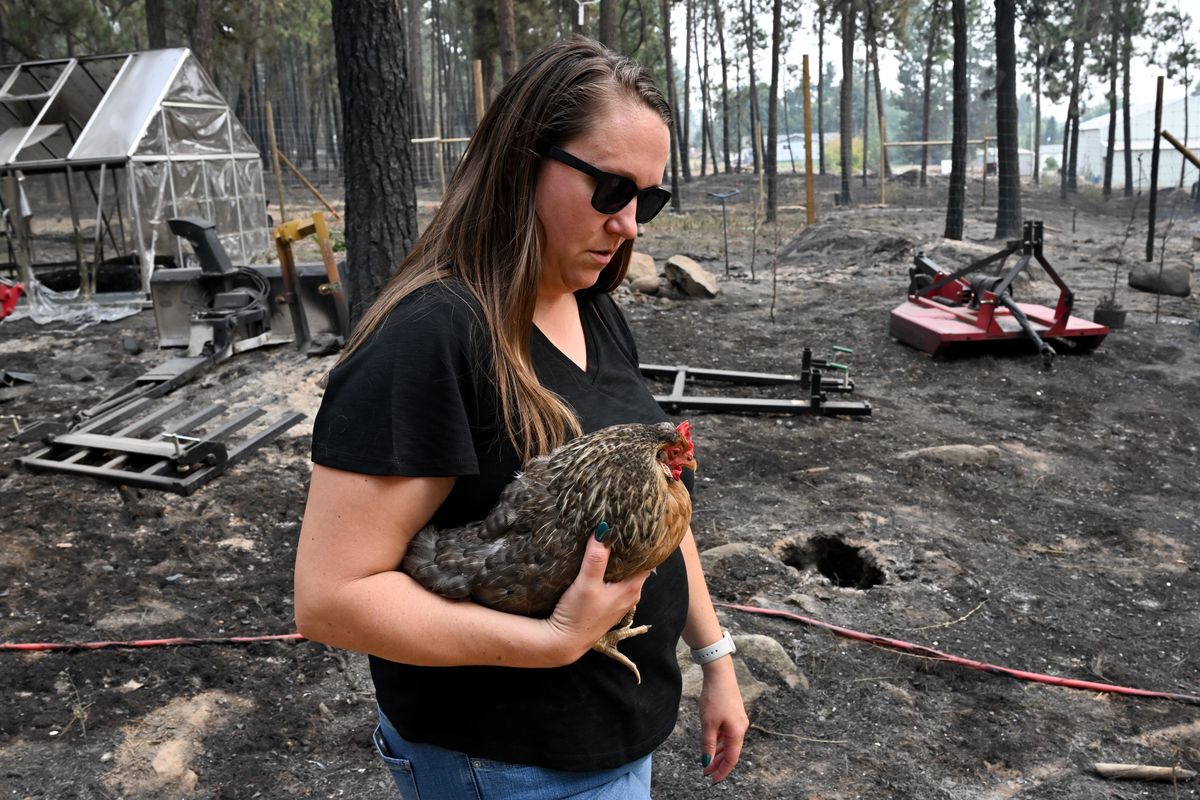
722 647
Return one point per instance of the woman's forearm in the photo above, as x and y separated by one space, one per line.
348 592
702 627
391 616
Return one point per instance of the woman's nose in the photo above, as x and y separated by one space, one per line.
624 222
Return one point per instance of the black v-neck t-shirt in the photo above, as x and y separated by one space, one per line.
419 399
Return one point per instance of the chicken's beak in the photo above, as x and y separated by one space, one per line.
690 465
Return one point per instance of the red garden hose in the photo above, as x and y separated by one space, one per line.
177 640
937 655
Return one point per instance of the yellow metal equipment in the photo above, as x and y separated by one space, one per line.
294 231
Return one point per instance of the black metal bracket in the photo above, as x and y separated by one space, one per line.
811 379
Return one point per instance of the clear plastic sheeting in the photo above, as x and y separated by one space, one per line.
45 306
193 131
151 139
192 85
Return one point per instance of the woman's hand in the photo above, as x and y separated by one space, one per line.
591 606
723 720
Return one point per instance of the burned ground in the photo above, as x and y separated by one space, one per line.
1061 540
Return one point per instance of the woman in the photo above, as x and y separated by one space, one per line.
496 340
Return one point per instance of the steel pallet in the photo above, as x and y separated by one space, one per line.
811 380
181 458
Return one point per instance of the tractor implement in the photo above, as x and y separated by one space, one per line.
955 311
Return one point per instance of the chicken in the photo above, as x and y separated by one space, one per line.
623 480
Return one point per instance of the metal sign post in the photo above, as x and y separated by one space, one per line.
723 196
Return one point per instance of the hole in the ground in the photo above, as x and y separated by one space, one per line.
844 565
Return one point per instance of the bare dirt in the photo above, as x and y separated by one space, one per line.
1059 536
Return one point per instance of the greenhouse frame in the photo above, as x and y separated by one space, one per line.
97 153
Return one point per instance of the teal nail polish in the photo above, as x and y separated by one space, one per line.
705 760
601 531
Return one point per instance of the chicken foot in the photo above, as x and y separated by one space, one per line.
624 630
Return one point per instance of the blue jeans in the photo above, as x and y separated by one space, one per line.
427 772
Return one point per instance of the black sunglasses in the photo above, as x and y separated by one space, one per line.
613 192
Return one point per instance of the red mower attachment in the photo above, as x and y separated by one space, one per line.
947 312
10 293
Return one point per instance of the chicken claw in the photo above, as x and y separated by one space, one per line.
609 641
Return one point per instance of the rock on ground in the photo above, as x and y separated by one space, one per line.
691 278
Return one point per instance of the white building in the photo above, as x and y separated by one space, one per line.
1024 160
1093 144
788 150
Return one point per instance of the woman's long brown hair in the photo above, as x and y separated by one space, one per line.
485 234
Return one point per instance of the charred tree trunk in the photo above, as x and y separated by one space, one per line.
755 121
720 23
1037 113
787 131
845 121
421 121
381 206
508 38
686 128
674 129
821 90
866 129
248 110
1071 129
705 127
935 18
1126 123
608 24
333 133
156 24
880 113
1066 149
202 35
958 149
772 151
1008 203
313 107
1113 68
737 65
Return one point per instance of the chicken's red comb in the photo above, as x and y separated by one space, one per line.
685 430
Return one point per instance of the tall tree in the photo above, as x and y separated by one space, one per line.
755 120
202 35
508 38
958 149
1082 18
866 105
608 24
381 201
846 113
1008 209
1042 48
1132 19
707 145
156 24
772 150
719 22
686 117
881 22
819 20
1112 65
1175 47
931 49
676 145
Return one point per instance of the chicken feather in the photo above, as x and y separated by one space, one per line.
528 550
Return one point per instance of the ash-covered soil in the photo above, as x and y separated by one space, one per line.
1054 531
